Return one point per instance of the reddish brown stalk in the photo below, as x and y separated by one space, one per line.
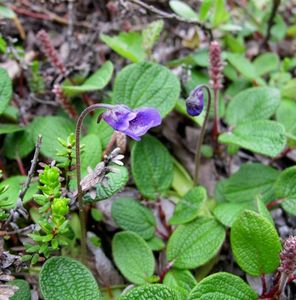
64 102
49 51
216 78
21 166
165 270
274 203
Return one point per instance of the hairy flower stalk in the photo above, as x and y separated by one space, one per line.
49 51
133 123
195 105
216 78
288 262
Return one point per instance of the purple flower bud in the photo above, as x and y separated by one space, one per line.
195 102
133 123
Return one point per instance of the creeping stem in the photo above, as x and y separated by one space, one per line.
82 214
202 134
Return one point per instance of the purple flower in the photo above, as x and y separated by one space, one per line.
133 123
195 102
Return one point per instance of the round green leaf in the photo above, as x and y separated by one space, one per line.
9 198
24 292
188 207
19 144
156 243
222 286
289 205
262 136
152 167
286 183
183 10
5 89
150 292
253 104
67 279
286 115
130 215
255 244
147 84
133 257
51 128
182 279
193 244
10 128
251 180
126 44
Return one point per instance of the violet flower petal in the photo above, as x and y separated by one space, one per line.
195 102
133 123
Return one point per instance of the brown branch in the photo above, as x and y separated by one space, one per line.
32 168
275 6
172 16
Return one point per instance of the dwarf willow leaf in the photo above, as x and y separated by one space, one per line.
251 180
182 279
130 215
227 212
24 292
114 182
188 208
255 244
126 44
242 65
151 34
51 128
156 243
147 85
258 103
18 144
266 63
289 89
286 115
286 183
152 167
5 90
9 198
289 205
150 292
193 244
133 257
67 279
183 10
261 208
262 136
10 128
96 81
222 286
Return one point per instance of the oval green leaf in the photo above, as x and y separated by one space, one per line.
133 257
152 167
5 90
130 215
222 286
255 244
67 279
193 244
262 136
188 208
147 85
258 103
150 292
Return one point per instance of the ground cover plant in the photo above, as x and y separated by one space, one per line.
147 150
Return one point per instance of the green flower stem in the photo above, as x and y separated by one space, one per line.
201 137
82 214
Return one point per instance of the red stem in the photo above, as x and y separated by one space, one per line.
165 270
274 203
21 166
263 282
